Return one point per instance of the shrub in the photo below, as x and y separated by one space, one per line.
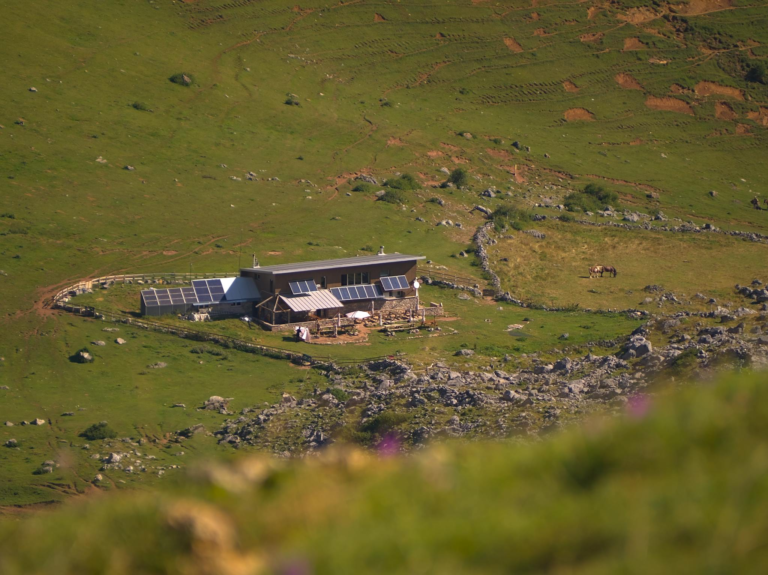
384 423
497 141
567 218
508 216
99 431
340 394
140 106
393 197
459 177
758 73
592 198
292 100
403 182
363 187
182 79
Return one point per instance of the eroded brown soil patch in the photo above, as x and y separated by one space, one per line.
633 44
513 45
724 111
379 18
578 114
592 38
697 7
435 154
627 81
743 129
761 116
638 16
570 86
712 88
669 104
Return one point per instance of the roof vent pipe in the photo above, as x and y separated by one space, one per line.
255 261
381 251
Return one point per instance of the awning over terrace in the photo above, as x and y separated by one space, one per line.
320 299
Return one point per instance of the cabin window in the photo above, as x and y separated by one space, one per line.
355 279
384 274
271 286
323 282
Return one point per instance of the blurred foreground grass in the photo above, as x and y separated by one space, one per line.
677 485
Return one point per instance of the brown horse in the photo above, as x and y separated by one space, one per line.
595 271
610 270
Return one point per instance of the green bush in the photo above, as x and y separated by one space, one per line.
393 197
758 73
405 182
591 199
340 394
182 79
363 187
508 216
141 106
459 177
384 423
100 430
292 100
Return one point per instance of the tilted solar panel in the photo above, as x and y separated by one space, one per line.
393 283
303 286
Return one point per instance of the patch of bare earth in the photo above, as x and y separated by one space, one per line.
592 12
435 154
627 82
669 104
633 44
458 160
570 87
724 111
534 17
712 88
395 142
540 32
450 147
697 7
513 45
578 114
379 18
637 16
743 129
592 38
501 154
761 116
678 89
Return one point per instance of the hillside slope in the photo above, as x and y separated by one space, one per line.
676 484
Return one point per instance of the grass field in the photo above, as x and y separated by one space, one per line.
638 96
679 484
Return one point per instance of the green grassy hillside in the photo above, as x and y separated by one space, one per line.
646 98
673 485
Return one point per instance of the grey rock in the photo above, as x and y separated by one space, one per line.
99 343
11 443
120 341
465 353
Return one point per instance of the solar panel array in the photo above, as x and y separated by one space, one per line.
300 287
153 298
393 283
350 293
201 292
208 291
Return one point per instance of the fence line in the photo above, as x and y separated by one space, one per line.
447 276
61 300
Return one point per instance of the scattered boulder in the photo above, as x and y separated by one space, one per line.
99 343
181 405
82 356
489 193
218 403
129 168
11 443
158 365
120 341
38 421
33 89
9 423
98 477
465 353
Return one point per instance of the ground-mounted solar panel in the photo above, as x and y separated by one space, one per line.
302 287
393 283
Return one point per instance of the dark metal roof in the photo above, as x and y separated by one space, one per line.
330 264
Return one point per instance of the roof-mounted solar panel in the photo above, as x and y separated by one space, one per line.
302 287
